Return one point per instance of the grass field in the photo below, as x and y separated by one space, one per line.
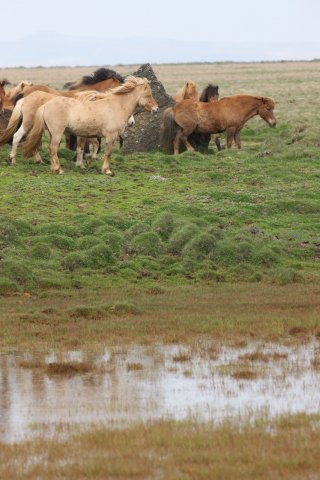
225 246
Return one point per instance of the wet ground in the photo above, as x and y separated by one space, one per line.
38 393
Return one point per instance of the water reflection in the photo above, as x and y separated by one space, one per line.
139 384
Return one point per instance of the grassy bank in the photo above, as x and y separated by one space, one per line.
173 451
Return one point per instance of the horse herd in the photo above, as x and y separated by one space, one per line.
102 106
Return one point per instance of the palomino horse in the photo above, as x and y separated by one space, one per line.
23 114
189 90
106 117
226 115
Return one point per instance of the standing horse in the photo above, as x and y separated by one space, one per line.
103 118
209 94
226 115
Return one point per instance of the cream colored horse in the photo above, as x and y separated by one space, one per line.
24 113
14 92
106 117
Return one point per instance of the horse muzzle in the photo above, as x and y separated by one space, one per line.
154 109
272 123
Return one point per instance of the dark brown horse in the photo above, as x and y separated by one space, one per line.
201 141
226 115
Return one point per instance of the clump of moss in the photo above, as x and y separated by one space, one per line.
41 251
99 256
146 244
8 286
163 224
73 261
17 270
201 247
114 240
137 229
62 242
58 228
87 241
283 276
266 256
181 237
91 225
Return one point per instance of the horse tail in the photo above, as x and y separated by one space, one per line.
13 124
168 131
33 141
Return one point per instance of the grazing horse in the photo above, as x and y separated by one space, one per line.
226 115
106 117
189 90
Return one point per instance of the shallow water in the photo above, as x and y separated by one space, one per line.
149 383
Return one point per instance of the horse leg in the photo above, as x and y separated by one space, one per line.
230 136
53 148
237 139
93 148
107 154
80 149
218 143
17 137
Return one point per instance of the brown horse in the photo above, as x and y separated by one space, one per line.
97 80
226 115
106 117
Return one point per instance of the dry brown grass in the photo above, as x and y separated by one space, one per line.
226 313
172 451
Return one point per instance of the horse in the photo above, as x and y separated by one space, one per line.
23 117
107 118
226 115
2 94
209 94
100 80
189 90
14 92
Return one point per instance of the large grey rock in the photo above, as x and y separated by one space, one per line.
144 136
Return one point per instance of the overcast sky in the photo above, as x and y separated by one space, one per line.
209 20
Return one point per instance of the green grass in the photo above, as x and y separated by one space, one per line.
247 217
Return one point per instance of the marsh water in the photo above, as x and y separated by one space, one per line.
139 383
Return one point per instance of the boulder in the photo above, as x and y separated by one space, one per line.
144 135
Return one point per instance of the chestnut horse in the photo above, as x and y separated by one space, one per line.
226 115
107 118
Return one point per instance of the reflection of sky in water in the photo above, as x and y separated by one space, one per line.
163 388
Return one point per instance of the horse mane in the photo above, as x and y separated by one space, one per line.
183 92
130 83
209 92
100 75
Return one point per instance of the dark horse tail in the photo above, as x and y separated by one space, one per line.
168 131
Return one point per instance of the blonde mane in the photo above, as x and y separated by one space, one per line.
189 90
13 92
130 83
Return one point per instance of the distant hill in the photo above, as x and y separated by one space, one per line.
51 49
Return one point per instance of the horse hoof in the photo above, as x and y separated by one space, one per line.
9 161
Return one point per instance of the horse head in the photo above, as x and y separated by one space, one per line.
210 93
265 111
146 100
